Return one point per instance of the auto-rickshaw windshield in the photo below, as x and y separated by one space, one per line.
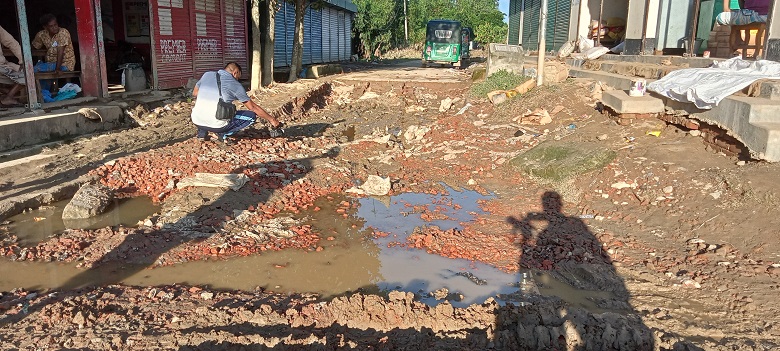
443 32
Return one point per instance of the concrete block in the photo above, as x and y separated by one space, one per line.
505 57
621 103
31 130
770 90
317 71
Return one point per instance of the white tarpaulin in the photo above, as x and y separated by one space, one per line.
706 87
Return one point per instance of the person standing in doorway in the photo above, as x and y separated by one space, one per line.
58 45
11 70
207 93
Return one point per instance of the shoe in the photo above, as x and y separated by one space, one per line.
203 135
224 139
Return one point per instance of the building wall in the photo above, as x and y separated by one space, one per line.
674 17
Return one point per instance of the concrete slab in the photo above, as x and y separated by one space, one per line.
29 130
317 71
621 102
769 89
693 62
614 80
753 121
505 57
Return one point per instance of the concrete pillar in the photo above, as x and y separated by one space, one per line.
585 15
522 21
642 18
772 43
651 30
574 20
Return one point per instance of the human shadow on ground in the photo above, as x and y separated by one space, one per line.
143 247
565 246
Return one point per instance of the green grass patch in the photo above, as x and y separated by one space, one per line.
501 80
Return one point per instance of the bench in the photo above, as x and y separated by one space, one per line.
51 75
748 39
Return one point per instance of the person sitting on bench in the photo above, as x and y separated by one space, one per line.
11 70
59 47
752 11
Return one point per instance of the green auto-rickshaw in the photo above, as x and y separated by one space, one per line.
446 42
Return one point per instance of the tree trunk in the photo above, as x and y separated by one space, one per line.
268 42
297 55
257 46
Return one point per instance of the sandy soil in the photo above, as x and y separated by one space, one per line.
684 239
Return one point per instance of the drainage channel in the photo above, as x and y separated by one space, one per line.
353 259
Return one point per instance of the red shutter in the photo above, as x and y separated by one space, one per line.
172 41
234 17
207 35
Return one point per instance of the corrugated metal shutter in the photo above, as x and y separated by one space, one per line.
562 25
289 32
549 36
558 13
343 53
307 36
514 21
531 25
280 37
207 33
235 32
316 36
334 35
172 40
348 24
326 30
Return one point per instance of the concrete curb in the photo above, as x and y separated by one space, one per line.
31 130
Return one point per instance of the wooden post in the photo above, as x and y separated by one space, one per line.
29 72
101 51
694 28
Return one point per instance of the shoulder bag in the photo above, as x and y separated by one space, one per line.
225 110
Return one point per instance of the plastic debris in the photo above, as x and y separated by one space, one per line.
463 109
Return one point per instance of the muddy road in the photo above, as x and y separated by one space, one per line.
491 234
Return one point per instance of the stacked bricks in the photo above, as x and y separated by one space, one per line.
718 44
625 119
718 140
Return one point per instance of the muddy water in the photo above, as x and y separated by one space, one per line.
37 225
353 260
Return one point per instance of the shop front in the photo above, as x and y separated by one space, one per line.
168 41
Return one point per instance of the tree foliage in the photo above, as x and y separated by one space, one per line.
379 24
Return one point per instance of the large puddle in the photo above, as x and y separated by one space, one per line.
35 226
352 261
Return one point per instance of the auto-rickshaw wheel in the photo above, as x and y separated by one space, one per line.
424 64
